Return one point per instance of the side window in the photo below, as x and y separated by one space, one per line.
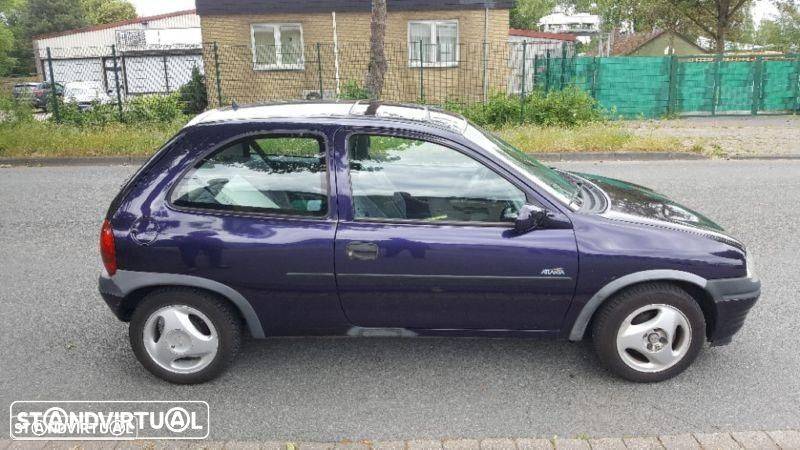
281 175
408 179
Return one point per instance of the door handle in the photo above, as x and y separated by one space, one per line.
362 251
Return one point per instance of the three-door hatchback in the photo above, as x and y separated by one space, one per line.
372 219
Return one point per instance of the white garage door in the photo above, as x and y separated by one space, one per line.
88 70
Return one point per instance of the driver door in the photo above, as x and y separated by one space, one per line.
426 241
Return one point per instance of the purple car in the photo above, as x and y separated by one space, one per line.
373 219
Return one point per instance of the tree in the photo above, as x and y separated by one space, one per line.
47 16
526 13
715 18
108 11
376 71
7 60
783 32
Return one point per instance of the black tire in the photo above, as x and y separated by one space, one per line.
221 314
613 313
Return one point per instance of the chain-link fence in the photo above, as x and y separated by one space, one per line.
422 72
416 71
88 76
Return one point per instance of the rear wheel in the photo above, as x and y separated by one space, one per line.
649 333
184 336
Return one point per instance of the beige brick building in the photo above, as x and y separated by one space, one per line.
279 50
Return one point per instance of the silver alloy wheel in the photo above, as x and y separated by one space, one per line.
180 339
654 338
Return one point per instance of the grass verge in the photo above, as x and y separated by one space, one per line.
44 139
593 137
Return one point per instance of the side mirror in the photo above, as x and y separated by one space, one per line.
529 218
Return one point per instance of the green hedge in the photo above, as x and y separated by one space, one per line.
568 107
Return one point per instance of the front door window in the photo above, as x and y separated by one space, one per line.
395 178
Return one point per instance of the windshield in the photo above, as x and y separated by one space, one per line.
82 92
550 179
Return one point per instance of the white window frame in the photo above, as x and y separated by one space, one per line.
276 29
433 24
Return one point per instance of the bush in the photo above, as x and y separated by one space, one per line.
194 94
14 112
568 107
351 90
155 109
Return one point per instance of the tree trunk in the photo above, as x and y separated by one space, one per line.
721 35
377 57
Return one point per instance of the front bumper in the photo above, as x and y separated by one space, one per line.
733 299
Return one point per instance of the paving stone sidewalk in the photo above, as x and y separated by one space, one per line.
759 440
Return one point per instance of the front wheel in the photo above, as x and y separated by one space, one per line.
649 333
184 336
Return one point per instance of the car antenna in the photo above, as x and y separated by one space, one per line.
234 105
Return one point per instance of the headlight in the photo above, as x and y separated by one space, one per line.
751 267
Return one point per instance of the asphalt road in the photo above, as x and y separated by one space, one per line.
61 343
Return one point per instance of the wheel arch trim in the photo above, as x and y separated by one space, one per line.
125 282
587 312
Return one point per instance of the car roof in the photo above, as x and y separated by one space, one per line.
407 113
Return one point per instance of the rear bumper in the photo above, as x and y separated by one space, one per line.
112 295
733 299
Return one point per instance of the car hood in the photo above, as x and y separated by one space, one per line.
638 203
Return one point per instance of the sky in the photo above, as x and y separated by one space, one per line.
764 9
154 7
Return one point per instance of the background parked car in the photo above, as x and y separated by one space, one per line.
41 94
23 91
85 95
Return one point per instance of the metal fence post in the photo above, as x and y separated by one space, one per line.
421 75
563 65
547 71
797 84
715 95
595 70
524 82
485 70
116 81
319 71
166 73
217 72
758 79
53 95
672 89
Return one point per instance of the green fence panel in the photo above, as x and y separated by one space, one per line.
633 86
703 85
780 78
736 87
695 87
583 71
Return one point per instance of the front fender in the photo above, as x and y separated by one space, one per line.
582 321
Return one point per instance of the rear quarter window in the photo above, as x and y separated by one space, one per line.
274 175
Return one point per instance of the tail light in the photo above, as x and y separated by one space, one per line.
107 249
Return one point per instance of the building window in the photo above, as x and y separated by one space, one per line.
433 43
277 46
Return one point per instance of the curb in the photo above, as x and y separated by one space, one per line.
779 439
619 156
75 161
550 157
763 157
139 160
